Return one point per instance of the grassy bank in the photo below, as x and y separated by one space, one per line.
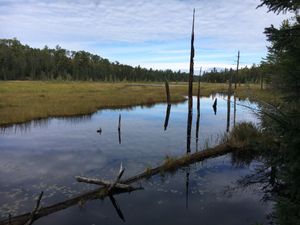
21 101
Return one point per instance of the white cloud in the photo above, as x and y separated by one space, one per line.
139 27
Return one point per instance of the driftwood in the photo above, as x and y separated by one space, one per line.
110 186
121 172
105 183
101 193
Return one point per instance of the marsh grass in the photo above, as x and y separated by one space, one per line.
21 101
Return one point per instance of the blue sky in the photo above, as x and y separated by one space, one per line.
150 33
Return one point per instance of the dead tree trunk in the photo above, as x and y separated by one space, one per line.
168 92
198 94
237 70
190 91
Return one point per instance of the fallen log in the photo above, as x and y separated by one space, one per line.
100 193
104 183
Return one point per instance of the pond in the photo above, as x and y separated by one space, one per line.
46 155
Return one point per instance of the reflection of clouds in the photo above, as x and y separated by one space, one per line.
48 157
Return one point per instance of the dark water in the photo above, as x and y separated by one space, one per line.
47 154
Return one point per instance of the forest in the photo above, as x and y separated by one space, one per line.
21 62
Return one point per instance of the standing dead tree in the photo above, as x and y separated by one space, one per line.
237 69
198 93
168 92
190 91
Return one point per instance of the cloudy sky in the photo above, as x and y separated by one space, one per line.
150 33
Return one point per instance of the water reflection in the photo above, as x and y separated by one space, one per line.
228 113
197 129
119 129
189 131
167 116
117 207
215 106
187 182
54 154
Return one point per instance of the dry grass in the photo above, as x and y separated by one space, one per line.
22 101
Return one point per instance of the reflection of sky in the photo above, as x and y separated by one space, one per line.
47 156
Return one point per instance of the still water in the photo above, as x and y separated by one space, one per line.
46 155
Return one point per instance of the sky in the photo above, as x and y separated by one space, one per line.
150 33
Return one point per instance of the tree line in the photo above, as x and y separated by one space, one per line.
22 62
254 74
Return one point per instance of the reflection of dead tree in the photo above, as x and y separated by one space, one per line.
109 187
35 210
167 116
187 182
119 129
100 193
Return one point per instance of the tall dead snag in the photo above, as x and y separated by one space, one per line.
168 92
261 81
237 69
234 109
190 91
228 101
